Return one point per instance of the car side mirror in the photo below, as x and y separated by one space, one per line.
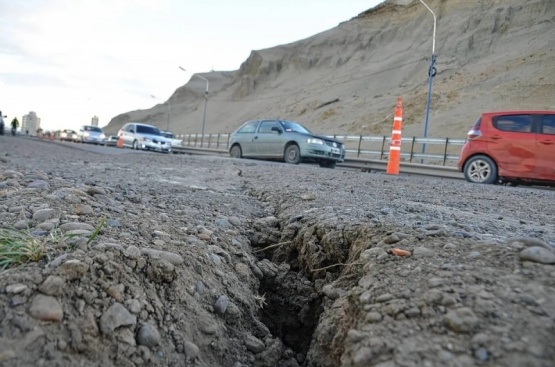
276 129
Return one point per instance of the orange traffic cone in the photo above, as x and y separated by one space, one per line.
120 142
395 146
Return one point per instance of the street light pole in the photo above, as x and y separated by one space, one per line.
205 105
431 74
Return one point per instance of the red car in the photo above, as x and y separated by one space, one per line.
516 147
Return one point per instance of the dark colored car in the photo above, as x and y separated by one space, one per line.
516 147
284 140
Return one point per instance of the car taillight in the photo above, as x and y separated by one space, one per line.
473 134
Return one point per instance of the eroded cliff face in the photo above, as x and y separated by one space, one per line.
490 54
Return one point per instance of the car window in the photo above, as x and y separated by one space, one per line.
548 126
249 127
148 130
290 126
514 123
266 127
130 129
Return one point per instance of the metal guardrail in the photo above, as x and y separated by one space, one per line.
354 163
439 151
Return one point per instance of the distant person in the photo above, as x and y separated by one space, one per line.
15 125
27 132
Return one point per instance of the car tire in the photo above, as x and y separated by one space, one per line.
292 154
236 152
481 169
135 145
328 164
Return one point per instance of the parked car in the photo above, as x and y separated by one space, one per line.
171 137
516 147
2 123
91 134
67 135
144 137
112 141
284 140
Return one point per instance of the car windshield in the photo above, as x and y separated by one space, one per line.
166 134
143 129
290 126
93 128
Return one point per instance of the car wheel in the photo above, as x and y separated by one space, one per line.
135 145
235 152
292 154
480 169
328 164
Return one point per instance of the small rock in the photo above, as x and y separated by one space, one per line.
254 344
461 320
116 291
420 252
538 254
52 286
384 297
148 336
473 255
46 308
133 305
308 197
71 226
73 269
16 288
191 350
220 306
38 184
481 354
435 282
115 316
132 252
449 246
42 215
96 190
199 286
7 354
243 271
373 317
113 223
82 209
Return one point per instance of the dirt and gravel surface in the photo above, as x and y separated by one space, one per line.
207 261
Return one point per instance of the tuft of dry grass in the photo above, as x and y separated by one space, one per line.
18 248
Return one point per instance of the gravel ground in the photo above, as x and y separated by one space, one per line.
206 261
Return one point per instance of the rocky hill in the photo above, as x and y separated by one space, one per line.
491 55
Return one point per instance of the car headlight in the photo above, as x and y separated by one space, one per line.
145 139
102 136
85 134
315 141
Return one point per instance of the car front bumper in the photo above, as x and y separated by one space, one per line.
93 140
157 147
314 151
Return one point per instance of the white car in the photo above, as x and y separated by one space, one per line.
169 135
144 137
91 134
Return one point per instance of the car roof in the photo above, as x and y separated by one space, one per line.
520 112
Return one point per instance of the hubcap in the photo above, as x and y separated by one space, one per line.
292 155
479 171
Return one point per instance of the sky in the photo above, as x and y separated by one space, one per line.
70 60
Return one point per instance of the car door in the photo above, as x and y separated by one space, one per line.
268 142
512 144
128 135
245 137
546 148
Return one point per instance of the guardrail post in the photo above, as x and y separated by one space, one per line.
218 141
359 142
209 138
445 151
412 148
383 145
228 138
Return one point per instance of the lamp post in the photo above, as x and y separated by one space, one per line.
169 112
205 105
431 74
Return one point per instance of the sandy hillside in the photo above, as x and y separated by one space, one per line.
491 55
